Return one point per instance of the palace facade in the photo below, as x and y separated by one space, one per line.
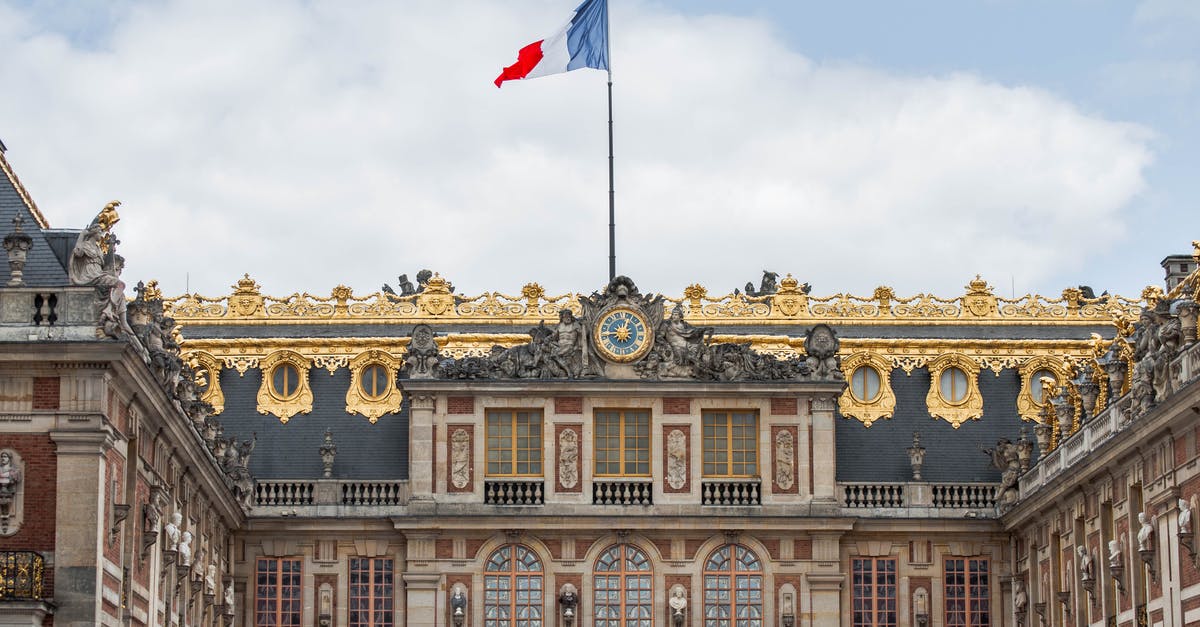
421 457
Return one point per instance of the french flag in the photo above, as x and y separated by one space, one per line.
581 42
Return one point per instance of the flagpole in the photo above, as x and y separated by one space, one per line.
612 227
612 221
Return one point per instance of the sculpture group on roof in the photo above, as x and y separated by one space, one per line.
676 349
144 324
408 289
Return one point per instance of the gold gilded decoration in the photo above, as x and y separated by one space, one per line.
956 412
331 362
883 405
363 399
246 300
789 300
208 378
791 304
1152 294
287 402
152 291
106 219
436 298
979 300
241 364
1027 405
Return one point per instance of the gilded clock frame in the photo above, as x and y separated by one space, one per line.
269 402
884 403
635 355
971 407
357 402
1029 409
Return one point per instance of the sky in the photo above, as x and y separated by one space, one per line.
313 143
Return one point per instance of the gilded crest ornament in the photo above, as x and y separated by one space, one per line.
790 299
246 300
979 300
436 299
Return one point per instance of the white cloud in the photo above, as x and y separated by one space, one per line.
312 144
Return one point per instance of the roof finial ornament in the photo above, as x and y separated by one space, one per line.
17 244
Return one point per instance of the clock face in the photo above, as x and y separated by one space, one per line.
623 335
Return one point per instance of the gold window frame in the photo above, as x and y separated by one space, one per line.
512 438
729 444
270 401
623 448
357 401
971 407
1027 407
884 404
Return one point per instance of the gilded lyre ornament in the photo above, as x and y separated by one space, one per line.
373 391
284 391
867 410
969 404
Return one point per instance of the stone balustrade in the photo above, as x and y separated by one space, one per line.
514 492
918 498
622 492
727 492
61 313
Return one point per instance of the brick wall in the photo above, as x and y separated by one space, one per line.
677 406
45 392
784 407
114 486
40 496
568 405
460 405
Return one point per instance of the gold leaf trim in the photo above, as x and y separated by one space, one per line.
357 402
884 404
971 407
269 402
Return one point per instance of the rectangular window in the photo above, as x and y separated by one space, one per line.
277 600
874 592
730 443
371 592
622 443
968 602
514 443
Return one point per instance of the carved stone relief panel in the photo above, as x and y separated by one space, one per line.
568 459
461 471
676 459
784 440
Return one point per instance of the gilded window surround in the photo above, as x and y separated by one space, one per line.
269 402
884 404
209 367
1028 408
357 401
971 407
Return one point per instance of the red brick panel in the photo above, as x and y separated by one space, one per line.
558 431
664 547
473 546
451 429
775 487
41 480
690 546
772 549
568 405
45 392
113 493
137 527
924 582
784 407
1189 575
687 457
443 548
460 405
802 549
677 406
1132 561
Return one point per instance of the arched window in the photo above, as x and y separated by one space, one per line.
733 588
512 588
623 588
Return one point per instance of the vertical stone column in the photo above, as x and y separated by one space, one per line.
420 447
77 535
824 461
420 584
826 591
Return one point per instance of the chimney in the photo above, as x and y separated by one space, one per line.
1177 268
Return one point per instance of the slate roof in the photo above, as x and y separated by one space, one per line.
43 268
879 453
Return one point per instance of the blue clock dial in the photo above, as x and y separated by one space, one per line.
623 335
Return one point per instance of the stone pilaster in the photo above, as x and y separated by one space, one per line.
421 592
823 446
420 449
826 590
78 536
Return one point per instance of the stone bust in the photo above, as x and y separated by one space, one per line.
173 532
10 475
1145 536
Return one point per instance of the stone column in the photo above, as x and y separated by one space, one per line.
420 447
78 537
823 446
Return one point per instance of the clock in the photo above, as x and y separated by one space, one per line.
623 335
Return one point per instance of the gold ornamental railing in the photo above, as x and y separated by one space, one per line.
21 576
